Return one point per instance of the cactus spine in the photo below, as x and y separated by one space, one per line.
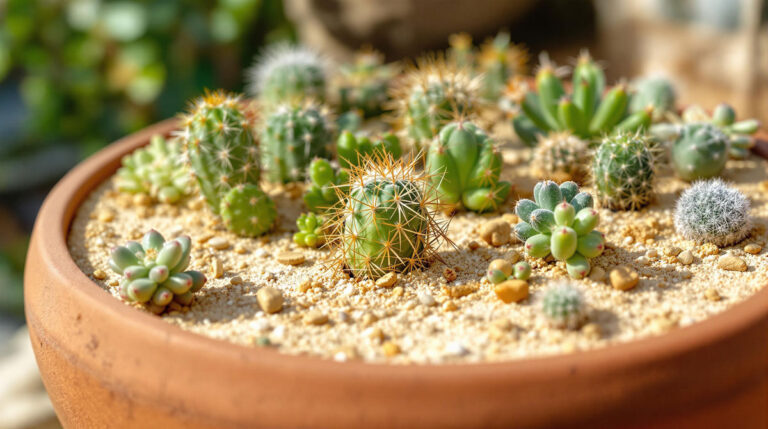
364 84
712 212
311 230
623 171
156 170
247 210
286 72
325 186
562 305
699 152
560 156
352 149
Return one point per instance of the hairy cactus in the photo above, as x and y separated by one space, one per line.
500 270
740 134
656 92
364 84
325 186
387 222
154 271
561 222
311 230
156 170
562 305
560 156
293 136
464 165
699 152
623 171
710 211
498 61
220 145
352 149
286 72
247 211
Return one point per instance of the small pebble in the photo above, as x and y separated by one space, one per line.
106 216
473 245
142 200
510 291
291 258
628 240
390 349
731 263
597 274
712 294
217 268
368 319
624 278
427 299
753 248
652 254
496 232
99 275
592 331
449 275
685 257
455 349
315 318
218 243
450 306
270 299
388 280
672 251
236 280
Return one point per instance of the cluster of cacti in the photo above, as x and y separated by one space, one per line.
498 61
656 92
586 112
561 222
388 220
710 211
500 270
700 151
560 156
286 72
739 133
247 210
311 230
326 184
464 165
562 305
156 170
364 84
154 271
352 149
292 136
623 171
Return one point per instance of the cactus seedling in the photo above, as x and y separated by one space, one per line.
364 84
498 61
561 222
699 152
156 170
560 156
325 187
500 270
465 165
247 211
739 133
623 171
286 72
562 305
656 92
712 212
154 271
311 230
353 148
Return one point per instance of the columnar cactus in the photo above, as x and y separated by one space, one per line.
562 305
561 156
286 72
656 92
154 271
353 148
364 84
461 51
325 186
740 134
699 152
156 170
561 222
293 135
387 222
464 165
247 210
498 61
623 171
311 230
710 211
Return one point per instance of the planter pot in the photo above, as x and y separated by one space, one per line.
106 364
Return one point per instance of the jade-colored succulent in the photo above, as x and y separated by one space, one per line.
364 84
560 156
154 271
286 72
326 184
699 152
623 171
156 170
710 211
497 274
561 222
498 61
739 133
464 165
311 230
247 210
562 305
352 149
655 92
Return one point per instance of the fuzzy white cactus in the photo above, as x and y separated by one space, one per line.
710 211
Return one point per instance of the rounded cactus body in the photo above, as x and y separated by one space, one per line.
498 61
156 170
287 72
352 149
311 230
561 156
700 151
562 305
326 184
248 211
294 135
623 170
364 84
656 92
712 212
740 133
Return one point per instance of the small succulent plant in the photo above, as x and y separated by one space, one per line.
699 152
623 171
739 133
247 210
498 61
500 270
461 51
286 72
293 135
364 84
311 230
654 91
560 222
562 305
156 170
353 148
325 186
464 165
710 211
154 271
560 156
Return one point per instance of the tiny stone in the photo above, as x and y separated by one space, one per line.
456 349
731 263
663 324
142 200
473 245
99 275
270 299
652 254
510 291
712 294
390 349
449 275
236 280
496 232
597 274
753 248
388 280
628 240
426 299
374 333
368 319
450 306
398 291
240 250
106 216
291 258
672 251
217 268
624 278
591 331
685 257
315 318
218 243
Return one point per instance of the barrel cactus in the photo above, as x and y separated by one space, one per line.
156 170
352 149
154 271
562 305
464 165
498 61
364 84
656 92
247 210
325 186
286 72
293 135
710 211
623 171
699 152
561 222
739 133
560 156
311 230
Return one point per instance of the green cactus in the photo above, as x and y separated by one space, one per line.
699 152
154 271
287 72
311 230
293 136
562 305
560 222
464 165
325 186
364 84
353 148
623 171
247 211
520 271
561 156
461 52
656 92
220 145
498 61
710 211
156 170
740 134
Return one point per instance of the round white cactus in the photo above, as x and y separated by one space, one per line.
710 211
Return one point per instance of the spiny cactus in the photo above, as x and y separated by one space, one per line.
500 270
311 230
710 211
740 134
247 210
154 271
562 305
699 152
293 135
560 156
656 92
623 171
156 170
325 186
220 145
364 84
353 148
560 221
387 222
286 72
465 164
498 61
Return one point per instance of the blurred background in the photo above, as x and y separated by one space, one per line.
78 74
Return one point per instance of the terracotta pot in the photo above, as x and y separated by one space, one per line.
108 365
